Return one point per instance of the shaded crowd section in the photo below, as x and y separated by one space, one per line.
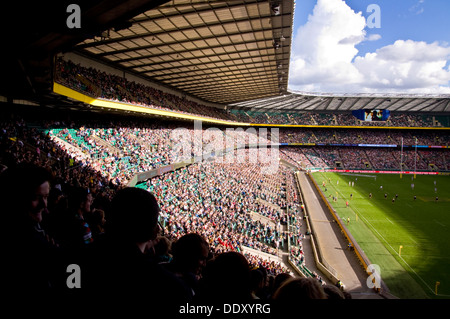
189 232
183 232
99 84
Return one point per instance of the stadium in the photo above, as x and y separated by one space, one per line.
189 101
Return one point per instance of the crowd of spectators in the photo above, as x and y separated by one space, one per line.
295 157
332 119
354 158
99 84
426 158
365 158
74 175
22 144
119 152
116 152
231 206
358 136
220 200
297 231
66 187
115 88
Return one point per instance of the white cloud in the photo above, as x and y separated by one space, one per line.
417 8
405 65
324 57
373 37
325 45
355 39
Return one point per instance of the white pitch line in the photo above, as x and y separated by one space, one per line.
390 221
361 216
395 251
413 240
438 223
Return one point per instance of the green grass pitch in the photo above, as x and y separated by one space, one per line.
380 225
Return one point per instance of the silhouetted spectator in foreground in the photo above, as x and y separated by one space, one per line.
297 289
333 292
80 201
96 220
226 278
163 250
122 262
190 253
257 283
279 280
32 259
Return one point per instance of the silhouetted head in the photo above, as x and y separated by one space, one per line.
25 190
190 253
296 289
133 216
227 277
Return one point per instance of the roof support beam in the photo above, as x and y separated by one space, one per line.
403 106
191 8
215 56
352 105
429 105
194 70
190 40
446 106
329 103
223 24
199 50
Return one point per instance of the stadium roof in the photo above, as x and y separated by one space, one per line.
34 31
219 51
318 102
233 53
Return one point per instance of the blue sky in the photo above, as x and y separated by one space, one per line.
335 51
